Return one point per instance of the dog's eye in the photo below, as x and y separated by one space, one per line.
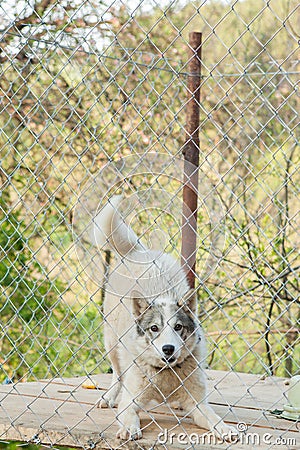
154 328
178 327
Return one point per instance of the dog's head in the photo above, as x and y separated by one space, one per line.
168 330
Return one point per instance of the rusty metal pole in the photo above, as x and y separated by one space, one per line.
191 160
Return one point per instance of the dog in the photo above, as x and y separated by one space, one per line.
151 331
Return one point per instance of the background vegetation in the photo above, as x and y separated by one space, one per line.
82 83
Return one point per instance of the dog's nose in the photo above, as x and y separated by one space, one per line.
168 349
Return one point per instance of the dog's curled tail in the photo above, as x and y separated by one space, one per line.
110 232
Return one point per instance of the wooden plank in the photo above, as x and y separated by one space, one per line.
94 427
61 412
247 392
80 396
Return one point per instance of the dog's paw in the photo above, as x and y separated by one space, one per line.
225 432
131 432
176 405
106 403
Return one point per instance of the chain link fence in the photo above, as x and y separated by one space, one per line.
93 103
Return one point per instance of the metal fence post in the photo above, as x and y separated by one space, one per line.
191 159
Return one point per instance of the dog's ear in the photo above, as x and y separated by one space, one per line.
189 302
139 302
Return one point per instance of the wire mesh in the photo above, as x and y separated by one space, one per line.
93 103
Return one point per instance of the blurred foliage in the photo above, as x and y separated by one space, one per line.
65 113
20 445
40 335
17 446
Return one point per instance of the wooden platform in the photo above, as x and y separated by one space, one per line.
63 412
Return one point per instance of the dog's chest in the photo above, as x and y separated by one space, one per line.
173 383
166 382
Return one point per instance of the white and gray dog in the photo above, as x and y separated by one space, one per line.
152 334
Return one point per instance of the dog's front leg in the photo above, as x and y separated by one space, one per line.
128 417
201 412
205 417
